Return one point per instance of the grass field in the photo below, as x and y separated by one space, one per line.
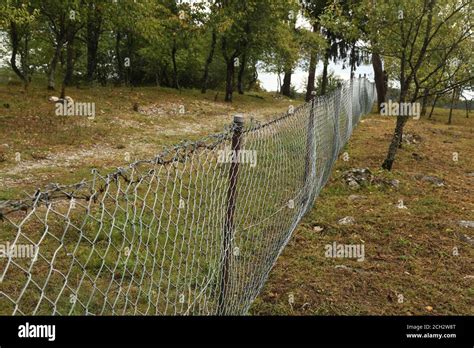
409 266
64 149
173 251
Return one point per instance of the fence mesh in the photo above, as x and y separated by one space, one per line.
194 231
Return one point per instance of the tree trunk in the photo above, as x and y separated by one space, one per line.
324 82
25 61
175 66
398 133
164 76
229 80
433 106
424 102
240 81
253 79
451 107
93 37
312 70
129 71
400 137
210 58
15 42
394 145
379 77
118 54
311 77
467 107
352 61
53 64
286 87
70 58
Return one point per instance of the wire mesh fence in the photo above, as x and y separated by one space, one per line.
194 231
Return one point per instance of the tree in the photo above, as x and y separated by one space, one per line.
172 35
64 21
248 29
313 10
17 18
409 33
73 25
330 83
123 20
282 56
290 52
95 10
210 24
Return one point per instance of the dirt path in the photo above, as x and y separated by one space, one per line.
39 148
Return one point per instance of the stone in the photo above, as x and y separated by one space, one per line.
395 183
466 224
357 177
353 184
348 220
411 138
433 180
343 267
467 239
318 229
355 197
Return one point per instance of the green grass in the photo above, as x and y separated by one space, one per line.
29 126
165 244
408 252
150 279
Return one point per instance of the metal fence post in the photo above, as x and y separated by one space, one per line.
228 232
309 151
337 111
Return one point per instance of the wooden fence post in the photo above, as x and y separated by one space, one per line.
228 232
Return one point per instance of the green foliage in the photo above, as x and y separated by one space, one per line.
167 42
333 83
174 43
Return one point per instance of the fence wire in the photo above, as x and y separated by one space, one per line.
194 231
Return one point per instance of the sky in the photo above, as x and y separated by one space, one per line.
299 78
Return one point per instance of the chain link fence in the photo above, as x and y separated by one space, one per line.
194 231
